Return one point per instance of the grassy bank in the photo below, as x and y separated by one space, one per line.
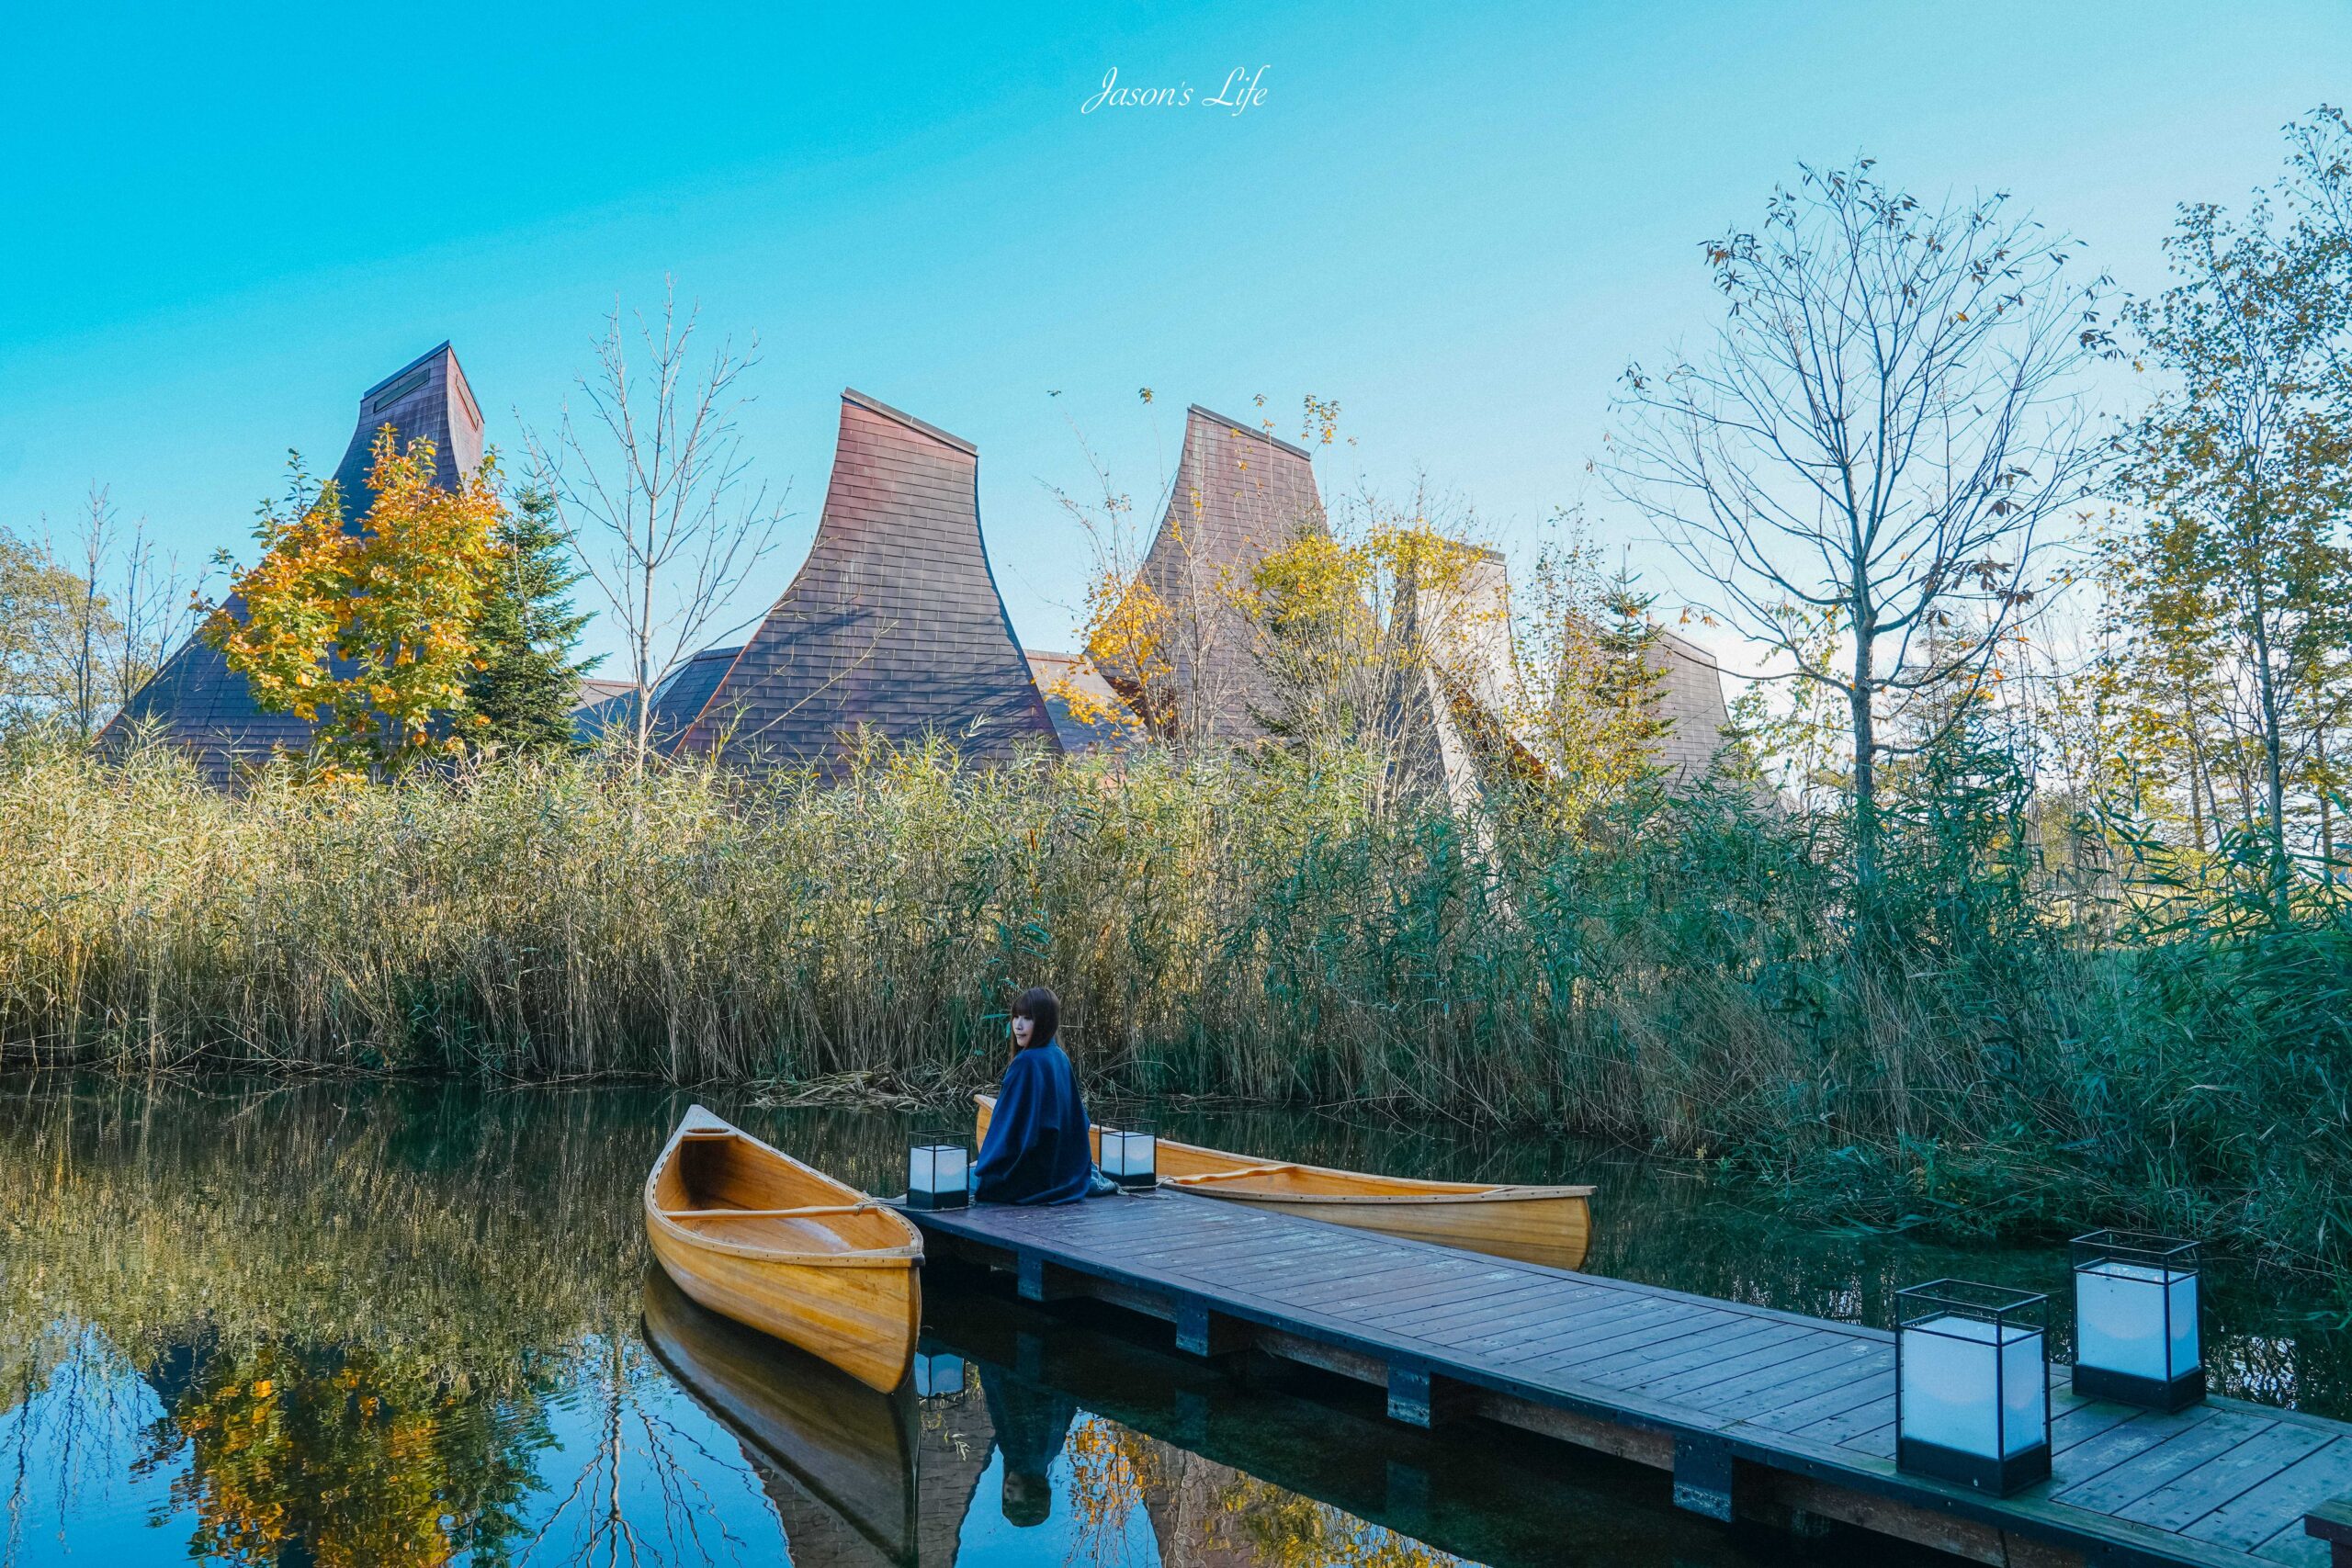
1675 976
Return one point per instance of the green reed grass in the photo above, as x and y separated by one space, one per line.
1679 974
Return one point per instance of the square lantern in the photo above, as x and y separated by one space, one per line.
1131 1156
2135 1320
938 1372
938 1168
1972 1386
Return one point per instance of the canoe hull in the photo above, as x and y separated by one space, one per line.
863 1320
752 1234
1551 1225
1554 1231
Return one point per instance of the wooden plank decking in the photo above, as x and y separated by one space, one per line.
1766 1411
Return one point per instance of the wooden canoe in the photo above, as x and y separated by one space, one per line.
755 1235
1535 1224
814 1434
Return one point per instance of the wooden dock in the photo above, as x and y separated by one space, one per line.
1758 1414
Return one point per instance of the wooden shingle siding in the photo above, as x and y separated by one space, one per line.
1238 493
893 626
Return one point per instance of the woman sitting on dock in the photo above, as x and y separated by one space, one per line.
1037 1149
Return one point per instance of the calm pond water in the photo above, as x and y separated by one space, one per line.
358 1322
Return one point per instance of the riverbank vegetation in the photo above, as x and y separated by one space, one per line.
2042 1048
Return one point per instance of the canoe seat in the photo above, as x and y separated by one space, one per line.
784 1231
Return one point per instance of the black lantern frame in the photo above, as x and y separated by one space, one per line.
2166 1261
2005 1311
933 1147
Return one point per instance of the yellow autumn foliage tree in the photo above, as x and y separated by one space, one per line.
1340 623
368 634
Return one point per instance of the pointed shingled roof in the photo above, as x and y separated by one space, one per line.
1690 699
678 699
1457 678
893 625
196 701
1238 493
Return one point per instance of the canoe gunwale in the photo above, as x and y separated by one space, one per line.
1206 1183
907 1253
1239 1195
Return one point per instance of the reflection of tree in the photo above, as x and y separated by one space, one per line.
72 1409
358 1309
598 1519
1205 1514
305 1456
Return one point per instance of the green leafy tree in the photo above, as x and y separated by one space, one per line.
37 596
2233 584
1585 693
528 634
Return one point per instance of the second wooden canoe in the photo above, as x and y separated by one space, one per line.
1535 1224
755 1235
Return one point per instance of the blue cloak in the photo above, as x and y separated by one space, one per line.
1037 1149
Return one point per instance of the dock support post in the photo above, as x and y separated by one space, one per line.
1702 1477
2332 1522
1419 1399
1037 1279
1200 1332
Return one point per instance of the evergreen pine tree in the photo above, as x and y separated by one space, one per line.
1632 679
527 634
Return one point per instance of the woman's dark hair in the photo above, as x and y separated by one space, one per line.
1042 1008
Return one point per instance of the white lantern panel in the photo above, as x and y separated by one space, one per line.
2187 1352
938 1168
1971 1387
1127 1155
2120 1318
2024 1392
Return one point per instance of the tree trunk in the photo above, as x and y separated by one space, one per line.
1866 870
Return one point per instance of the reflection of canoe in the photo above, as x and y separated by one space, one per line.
1534 1224
750 1232
837 1442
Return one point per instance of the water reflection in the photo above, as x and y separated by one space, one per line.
363 1323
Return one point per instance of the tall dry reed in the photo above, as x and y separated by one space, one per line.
1678 974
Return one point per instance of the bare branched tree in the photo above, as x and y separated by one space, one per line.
120 610
1880 438
653 491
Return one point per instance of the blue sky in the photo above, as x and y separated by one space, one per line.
1458 221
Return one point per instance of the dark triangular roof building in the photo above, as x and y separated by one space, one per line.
893 628
196 701
1238 494
678 700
